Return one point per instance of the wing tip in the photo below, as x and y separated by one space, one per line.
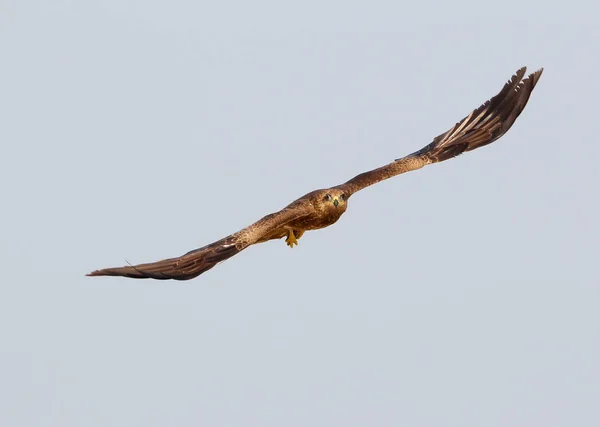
492 119
520 73
129 271
535 76
108 272
519 77
95 273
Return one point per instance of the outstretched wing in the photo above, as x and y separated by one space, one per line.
198 261
483 126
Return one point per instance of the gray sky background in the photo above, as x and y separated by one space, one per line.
463 294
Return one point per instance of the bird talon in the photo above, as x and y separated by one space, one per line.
291 239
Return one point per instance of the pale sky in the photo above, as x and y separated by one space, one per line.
462 294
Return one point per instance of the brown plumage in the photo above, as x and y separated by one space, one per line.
322 208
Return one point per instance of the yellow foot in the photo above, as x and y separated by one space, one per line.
291 239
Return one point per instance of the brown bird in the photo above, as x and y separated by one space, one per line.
321 208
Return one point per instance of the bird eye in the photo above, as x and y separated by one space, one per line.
328 197
343 197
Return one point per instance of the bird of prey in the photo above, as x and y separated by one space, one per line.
322 208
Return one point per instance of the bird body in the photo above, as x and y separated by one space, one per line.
322 208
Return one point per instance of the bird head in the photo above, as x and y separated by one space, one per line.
332 199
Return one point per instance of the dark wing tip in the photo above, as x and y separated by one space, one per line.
531 80
536 74
185 267
104 272
129 271
487 123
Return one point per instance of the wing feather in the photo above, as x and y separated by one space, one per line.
483 126
196 262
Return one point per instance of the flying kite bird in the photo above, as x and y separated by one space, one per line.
321 208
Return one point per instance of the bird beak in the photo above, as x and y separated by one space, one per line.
335 202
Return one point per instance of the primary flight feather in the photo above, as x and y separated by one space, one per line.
321 208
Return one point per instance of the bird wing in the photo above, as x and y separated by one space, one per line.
198 261
483 126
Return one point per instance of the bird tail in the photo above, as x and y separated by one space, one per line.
185 267
487 123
